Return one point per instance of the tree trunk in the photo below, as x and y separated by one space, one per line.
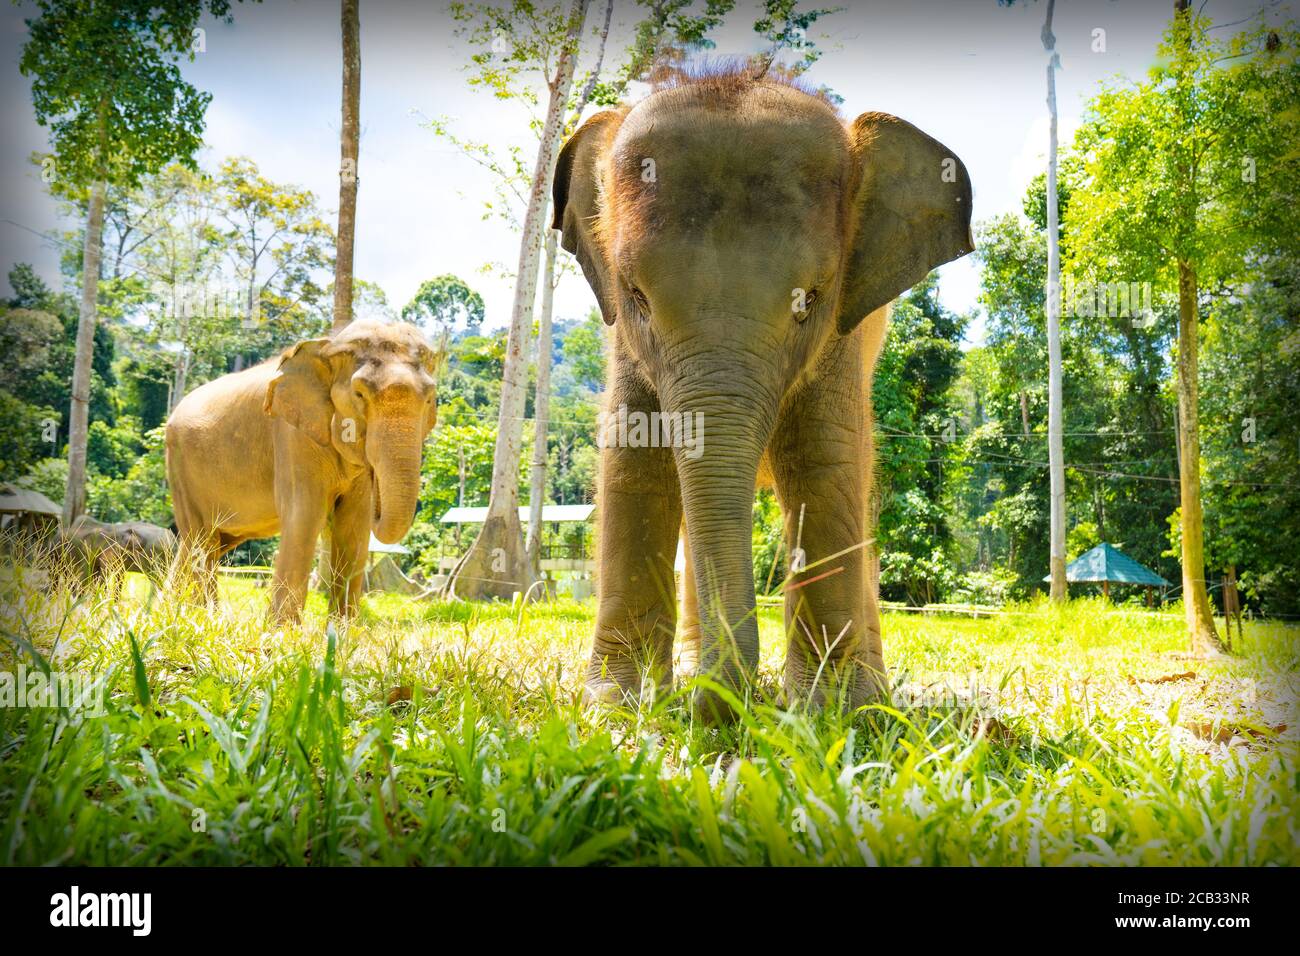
74 496
1200 617
1055 448
496 564
350 141
180 378
541 409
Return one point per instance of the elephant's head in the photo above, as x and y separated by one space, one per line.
732 228
369 393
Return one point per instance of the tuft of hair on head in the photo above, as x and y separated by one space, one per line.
730 76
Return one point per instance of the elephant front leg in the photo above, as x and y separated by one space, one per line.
688 616
349 549
640 514
831 618
300 527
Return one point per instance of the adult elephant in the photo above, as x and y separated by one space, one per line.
745 243
326 437
93 551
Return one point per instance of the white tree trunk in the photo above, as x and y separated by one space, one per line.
1055 440
541 408
74 496
496 564
542 399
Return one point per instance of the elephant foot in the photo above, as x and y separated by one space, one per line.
606 693
687 666
626 669
613 682
711 708
855 683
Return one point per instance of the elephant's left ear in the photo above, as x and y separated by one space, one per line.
300 391
913 206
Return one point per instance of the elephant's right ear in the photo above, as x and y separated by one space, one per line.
576 197
300 391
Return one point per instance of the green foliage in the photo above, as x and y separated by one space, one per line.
1250 390
37 337
993 588
1120 463
1196 164
49 476
1084 536
106 83
786 27
768 543
440 304
140 493
440 472
296 756
23 427
281 246
111 449
917 438
583 352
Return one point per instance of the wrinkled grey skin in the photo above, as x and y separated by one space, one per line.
96 550
737 268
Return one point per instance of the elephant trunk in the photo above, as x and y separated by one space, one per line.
393 449
717 482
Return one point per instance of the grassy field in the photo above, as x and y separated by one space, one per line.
431 734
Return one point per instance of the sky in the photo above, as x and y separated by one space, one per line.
971 73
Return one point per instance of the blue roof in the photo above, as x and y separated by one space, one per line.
1105 563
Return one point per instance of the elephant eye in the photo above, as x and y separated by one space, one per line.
809 300
641 302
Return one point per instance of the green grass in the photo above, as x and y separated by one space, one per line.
1017 740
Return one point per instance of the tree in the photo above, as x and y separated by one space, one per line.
1055 449
350 140
542 394
181 254
105 81
918 444
442 303
1186 182
1055 442
496 564
277 245
1251 388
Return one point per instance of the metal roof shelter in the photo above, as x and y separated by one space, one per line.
15 500
460 515
378 547
1107 565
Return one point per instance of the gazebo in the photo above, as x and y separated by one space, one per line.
1106 565
27 509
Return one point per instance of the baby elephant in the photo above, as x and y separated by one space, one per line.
326 437
745 243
